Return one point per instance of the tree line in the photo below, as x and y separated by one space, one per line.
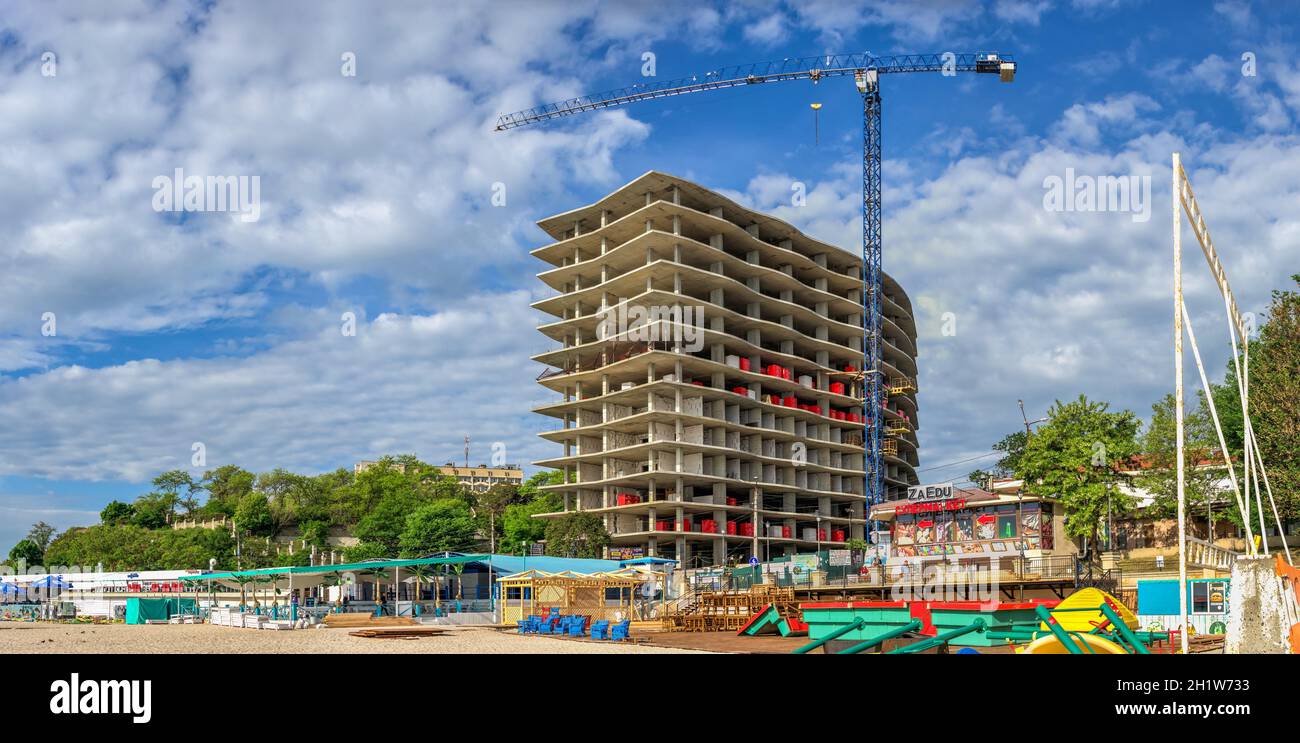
399 507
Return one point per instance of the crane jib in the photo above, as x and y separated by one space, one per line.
806 68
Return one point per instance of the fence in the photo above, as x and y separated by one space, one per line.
901 571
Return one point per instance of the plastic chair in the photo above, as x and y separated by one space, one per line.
578 626
620 631
600 630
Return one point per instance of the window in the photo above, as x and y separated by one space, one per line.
1006 526
1209 597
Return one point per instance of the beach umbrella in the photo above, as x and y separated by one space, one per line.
51 581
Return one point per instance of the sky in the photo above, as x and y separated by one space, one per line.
376 299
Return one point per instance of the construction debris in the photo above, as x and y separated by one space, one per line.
399 633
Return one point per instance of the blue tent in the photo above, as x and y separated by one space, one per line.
50 581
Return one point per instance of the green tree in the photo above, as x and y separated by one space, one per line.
443 525
226 486
578 534
179 489
1275 398
493 503
253 515
116 512
1077 456
28 551
1159 473
1012 447
366 551
518 525
41 533
153 510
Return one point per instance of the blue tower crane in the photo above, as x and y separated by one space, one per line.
866 69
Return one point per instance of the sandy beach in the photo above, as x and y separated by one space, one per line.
42 637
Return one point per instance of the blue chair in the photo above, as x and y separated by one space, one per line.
578 626
547 625
560 626
620 631
599 630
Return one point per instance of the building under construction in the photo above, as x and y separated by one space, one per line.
710 376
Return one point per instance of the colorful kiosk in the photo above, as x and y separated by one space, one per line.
943 521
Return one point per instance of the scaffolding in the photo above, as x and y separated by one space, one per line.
728 611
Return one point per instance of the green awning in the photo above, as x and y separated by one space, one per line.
352 567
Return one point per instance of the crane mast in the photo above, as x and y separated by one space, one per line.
865 68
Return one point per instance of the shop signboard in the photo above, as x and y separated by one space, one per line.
942 491
839 557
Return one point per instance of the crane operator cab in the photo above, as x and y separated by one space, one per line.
992 63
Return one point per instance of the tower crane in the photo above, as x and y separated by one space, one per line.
865 69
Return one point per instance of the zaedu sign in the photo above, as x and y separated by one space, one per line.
929 492
928 498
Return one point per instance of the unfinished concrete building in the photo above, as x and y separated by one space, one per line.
708 377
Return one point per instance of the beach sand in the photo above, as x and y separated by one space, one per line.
43 637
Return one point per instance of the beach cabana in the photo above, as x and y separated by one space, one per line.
604 595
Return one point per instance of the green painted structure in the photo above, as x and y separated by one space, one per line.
140 610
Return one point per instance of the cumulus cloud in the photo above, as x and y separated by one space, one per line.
402 383
388 177
1049 305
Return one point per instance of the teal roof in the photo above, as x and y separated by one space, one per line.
510 564
353 567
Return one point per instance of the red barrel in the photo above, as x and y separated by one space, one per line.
790 401
837 388
744 363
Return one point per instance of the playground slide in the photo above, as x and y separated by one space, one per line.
1050 645
768 620
1073 620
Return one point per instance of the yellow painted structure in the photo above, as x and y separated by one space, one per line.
1086 621
1049 645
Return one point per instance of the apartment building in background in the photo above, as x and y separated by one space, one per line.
478 479
708 377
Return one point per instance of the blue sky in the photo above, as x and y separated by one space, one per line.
177 329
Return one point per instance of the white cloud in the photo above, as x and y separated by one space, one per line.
1082 123
1021 11
1050 305
403 383
767 31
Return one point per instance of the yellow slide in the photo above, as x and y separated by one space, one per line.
1086 621
1049 645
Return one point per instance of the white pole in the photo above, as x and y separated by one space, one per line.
1214 415
1259 460
1246 442
1245 415
1178 406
